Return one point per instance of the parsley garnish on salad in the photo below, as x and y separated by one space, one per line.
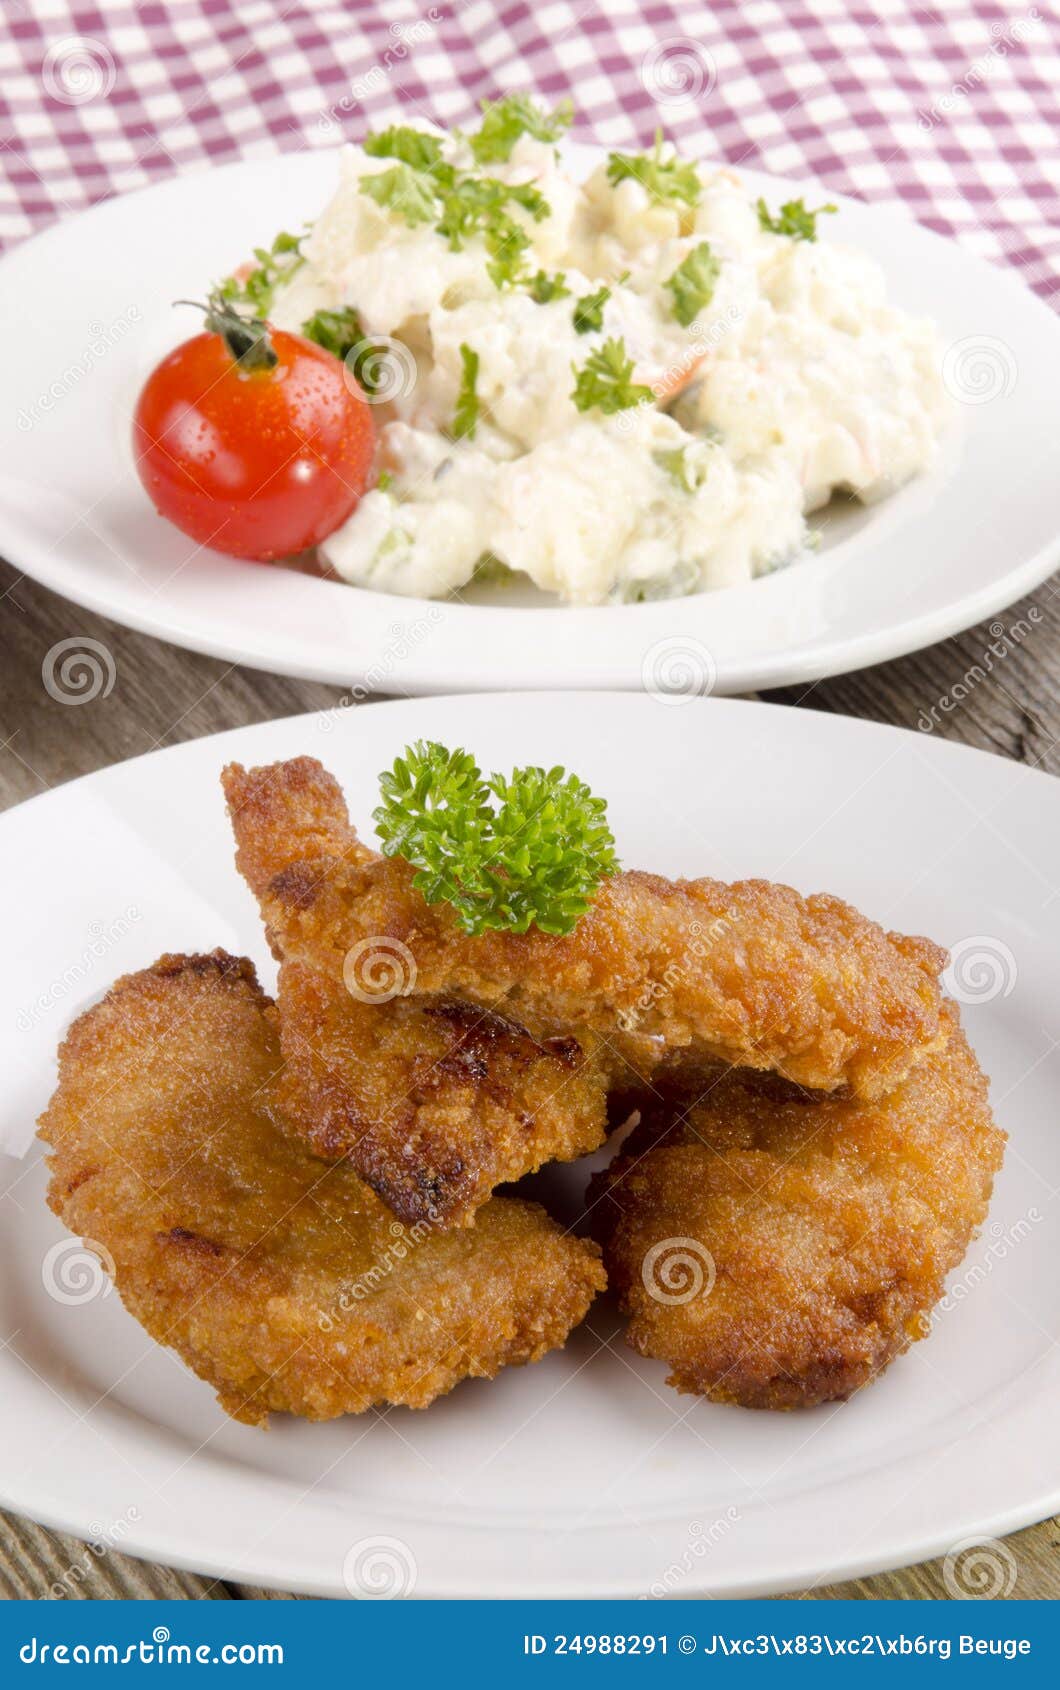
336 331
504 121
665 180
543 288
465 417
402 190
689 474
410 146
605 381
588 315
342 333
423 188
692 283
275 264
793 219
507 853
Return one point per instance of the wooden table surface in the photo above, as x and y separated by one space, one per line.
162 695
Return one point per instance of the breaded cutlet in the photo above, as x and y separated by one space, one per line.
750 974
282 1281
779 1249
434 1102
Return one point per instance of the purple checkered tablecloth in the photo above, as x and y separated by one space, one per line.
953 108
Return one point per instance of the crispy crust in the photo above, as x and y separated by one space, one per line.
285 1283
750 974
434 1103
828 1226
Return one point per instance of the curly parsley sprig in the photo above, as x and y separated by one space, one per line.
666 181
256 286
504 121
422 186
508 853
692 283
794 219
605 381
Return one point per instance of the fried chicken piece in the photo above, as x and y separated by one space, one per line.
283 1282
750 974
434 1102
779 1250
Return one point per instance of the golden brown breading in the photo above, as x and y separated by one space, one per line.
750 974
283 1282
778 1250
433 1102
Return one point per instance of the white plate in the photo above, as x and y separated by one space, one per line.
95 292
584 1475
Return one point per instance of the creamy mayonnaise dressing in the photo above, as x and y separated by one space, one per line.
795 379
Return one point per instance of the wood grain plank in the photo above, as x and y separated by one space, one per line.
996 687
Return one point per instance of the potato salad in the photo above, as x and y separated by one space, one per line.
633 386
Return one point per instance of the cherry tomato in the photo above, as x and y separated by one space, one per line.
251 440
